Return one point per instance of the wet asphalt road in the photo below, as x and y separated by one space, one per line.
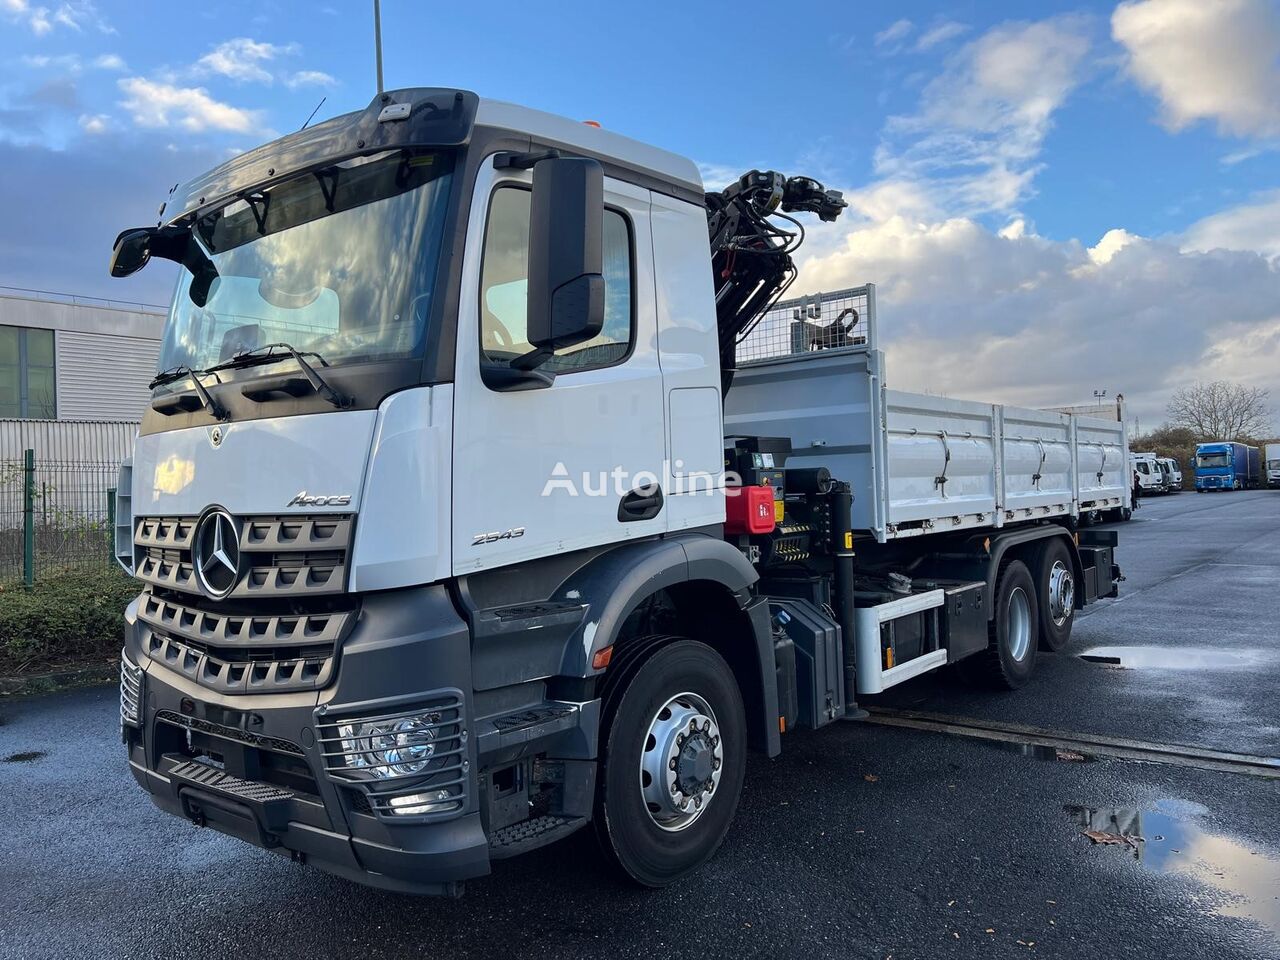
859 841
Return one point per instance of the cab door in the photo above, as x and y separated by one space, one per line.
577 463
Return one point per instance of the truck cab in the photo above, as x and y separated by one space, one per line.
442 547
1273 464
1227 466
1172 472
1151 479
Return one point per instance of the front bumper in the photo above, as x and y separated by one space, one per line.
252 765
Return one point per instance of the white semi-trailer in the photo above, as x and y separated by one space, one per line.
486 492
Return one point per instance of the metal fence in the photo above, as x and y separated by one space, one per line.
56 516
822 321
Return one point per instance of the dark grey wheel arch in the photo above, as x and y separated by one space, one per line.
615 583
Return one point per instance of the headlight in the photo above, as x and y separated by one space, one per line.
394 748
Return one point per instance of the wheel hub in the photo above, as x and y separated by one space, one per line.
680 761
1062 593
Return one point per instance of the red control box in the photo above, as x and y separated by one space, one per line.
748 510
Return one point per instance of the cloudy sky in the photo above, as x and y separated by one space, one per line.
1085 200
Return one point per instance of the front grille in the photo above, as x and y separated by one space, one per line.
443 780
280 556
243 653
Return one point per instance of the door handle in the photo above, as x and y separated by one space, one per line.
640 504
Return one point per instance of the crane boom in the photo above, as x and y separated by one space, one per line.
751 254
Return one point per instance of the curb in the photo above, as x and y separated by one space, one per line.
25 686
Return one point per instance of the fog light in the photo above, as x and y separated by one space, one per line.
433 801
394 748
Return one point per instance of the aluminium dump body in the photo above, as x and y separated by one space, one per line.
919 464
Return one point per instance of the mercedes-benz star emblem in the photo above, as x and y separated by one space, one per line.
217 554
215 436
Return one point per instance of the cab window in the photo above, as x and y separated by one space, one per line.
504 273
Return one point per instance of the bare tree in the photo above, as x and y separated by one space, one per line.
1221 410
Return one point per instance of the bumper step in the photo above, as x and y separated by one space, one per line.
529 835
525 726
202 775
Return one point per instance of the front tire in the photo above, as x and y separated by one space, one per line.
1012 634
673 756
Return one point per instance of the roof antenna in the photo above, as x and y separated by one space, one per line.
315 111
377 40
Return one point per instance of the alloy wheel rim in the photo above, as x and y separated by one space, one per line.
681 760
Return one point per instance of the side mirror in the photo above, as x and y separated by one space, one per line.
131 252
566 256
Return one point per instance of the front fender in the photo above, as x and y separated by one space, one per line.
614 584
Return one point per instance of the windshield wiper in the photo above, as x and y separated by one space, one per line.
181 372
260 356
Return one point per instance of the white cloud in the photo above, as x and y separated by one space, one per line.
1217 61
72 14
42 61
94 123
1112 242
970 310
973 143
310 78
71 62
940 33
896 31
1249 226
153 104
242 59
1018 318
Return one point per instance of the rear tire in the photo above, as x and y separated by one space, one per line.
1012 634
1055 593
676 720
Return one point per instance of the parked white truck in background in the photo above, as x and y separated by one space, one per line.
1150 476
1273 464
1172 472
474 503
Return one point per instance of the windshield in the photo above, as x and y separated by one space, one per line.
1213 459
340 262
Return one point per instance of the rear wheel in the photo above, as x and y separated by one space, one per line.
1055 593
673 754
1012 633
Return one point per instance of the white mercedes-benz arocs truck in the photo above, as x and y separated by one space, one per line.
460 525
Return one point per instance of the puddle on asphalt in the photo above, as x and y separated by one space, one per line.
1172 843
24 757
1177 658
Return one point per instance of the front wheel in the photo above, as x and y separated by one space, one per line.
673 755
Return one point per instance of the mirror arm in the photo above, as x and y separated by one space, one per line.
523 161
506 378
532 360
